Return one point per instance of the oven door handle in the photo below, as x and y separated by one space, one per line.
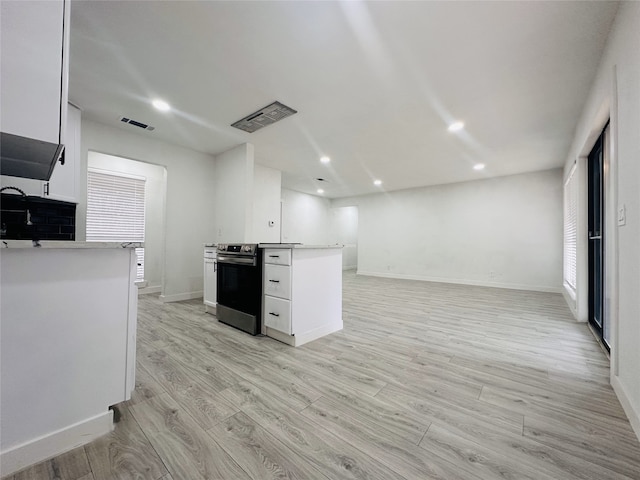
236 260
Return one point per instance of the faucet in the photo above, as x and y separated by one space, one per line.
28 221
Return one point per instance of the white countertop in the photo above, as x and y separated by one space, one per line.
61 244
297 245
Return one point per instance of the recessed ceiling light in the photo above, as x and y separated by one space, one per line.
478 166
325 159
320 190
377 183
456 126
161 105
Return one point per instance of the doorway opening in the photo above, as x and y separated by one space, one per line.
344 230
596 162
152 230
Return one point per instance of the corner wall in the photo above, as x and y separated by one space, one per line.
266 205
233 194
190 203
616 94
503 232
305 218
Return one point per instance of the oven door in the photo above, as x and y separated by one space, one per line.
239 284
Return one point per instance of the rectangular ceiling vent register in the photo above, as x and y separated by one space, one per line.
263 117
137 124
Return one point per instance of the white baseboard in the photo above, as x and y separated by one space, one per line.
154 289
510 286
209 308
281 337
55 443
571 303
178 297
627 406
349 267
301 339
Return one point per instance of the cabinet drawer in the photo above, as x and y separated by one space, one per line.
277 256
277 314
277 281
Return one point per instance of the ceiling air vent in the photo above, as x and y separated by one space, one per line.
137 124
263 117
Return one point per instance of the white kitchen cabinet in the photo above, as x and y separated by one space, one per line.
277 314
34 88
277 281
68 345
65 179
210 279
277 256
302 289
34 76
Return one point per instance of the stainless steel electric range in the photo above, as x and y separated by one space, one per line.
239 286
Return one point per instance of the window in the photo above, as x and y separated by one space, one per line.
570 230
115 210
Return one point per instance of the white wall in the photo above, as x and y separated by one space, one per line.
155 197
616 94
504 232
233 194
305 218
343 230
190 202
266 205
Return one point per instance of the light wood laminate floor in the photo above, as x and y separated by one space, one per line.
426 380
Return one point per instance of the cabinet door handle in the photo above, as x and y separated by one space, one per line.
275 281
274 256
274 314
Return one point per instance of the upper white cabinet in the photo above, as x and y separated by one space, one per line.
34 74
34 88
64 181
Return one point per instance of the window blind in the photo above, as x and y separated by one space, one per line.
115 210
570 230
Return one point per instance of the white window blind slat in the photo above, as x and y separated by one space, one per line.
115 210
570 231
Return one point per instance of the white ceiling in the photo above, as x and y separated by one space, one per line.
375 84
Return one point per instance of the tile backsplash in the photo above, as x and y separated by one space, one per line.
51 219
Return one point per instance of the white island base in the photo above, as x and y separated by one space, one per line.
68 333
302 287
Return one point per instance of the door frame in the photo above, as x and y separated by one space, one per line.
597 238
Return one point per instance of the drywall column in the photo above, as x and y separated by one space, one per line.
266 205
233 191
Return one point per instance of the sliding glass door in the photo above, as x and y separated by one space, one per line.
596 239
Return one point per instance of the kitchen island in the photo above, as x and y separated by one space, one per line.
302 291
67 339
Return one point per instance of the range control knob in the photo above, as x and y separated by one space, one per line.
247 248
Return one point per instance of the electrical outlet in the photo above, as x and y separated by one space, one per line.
622 215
